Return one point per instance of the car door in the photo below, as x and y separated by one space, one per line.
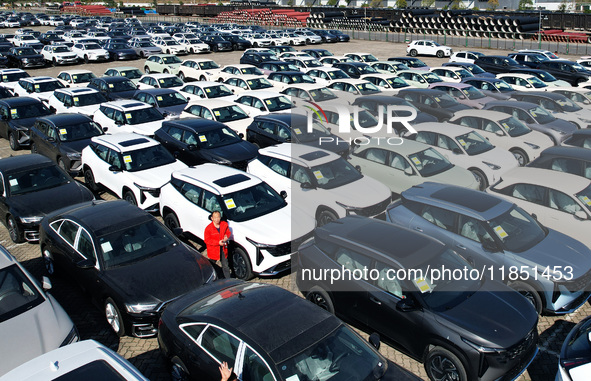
561 215
532 198
470 236
4 118
188 207
99 163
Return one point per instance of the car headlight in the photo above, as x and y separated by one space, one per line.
73 155
534 146
260 245
146 189
31 220
212 277
346 207
71 338
480 348
492 166
139 308
222 161
559 131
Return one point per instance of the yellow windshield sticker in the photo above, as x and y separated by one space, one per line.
216 113
423 285
297 131
202 138
123 74
462 142
76 99
208 90
4 77
111 85
268 102
36 86
437 99
159 99
128 116
63 131
318 175
533 113
75 76
249 82
501 232
13 111
506 125
161 81
127 158
586 200
230 203
416 160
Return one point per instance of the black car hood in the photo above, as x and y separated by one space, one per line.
234 152
159 278
423 117
122 94
126 51
490 317
75 146
48 200
30 56
26 122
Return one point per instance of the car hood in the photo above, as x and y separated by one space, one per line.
372 190
561 125
490 317
121 94
145 128
149 281
571 253
35 203
75 146
126 51
65 54
26 122
173 110
156 177
335 145
86 110
39 330
455 176
240 151
500 157
29 56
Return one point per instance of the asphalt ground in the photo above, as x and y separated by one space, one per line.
144 353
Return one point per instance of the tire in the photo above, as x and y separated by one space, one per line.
442 364
15 232
440 54
53 62
89 180
255 45
529 293
325 217
33 148
168 52
191 51
178 370
171 221
413 53
61 164
85 59
129 197
147 70
521 156
202 78
480 178
234 47
113 316
182 76
48 261
321 298
241 264
13 142
165 71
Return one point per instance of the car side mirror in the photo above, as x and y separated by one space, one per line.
137 86
114 168
262 108
499 133
165 114
105 129
85 264
527 86
283 194
192 147
307 185
406 305
374 339
489 246
46 283
4 117
51 139
241 135
581 215
408 171
358 168
118 122
202 95
457 151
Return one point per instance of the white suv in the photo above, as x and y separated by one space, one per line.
428 48
90 52
59 55
83 100
322 182
265 229
132 166
127 116
39 88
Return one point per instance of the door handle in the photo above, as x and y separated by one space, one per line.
461 247
376 301
418 229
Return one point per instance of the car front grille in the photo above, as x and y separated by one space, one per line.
580 284
373 210
519 349
288 247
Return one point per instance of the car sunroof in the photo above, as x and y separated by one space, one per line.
231 180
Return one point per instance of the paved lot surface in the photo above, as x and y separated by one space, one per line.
144 353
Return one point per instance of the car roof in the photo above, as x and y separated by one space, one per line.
304 155
19 101
119 68
514 74
288 73
486 114
115 78
77 90
516 104
286 118
125 141
220 178
203 83
540 94
158 75
562 181
575 133
39 79
195 124
126 104
157 91
66 119
471 202
381 99
568 152
444 128
20 162
451 84
414 71
261 94
75 71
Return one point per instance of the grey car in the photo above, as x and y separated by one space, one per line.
31 321
145 48
535 117
502 239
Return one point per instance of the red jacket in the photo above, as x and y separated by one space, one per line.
212 239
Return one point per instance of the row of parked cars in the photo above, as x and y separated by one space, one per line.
281 185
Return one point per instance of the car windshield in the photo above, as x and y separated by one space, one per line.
253 202
259 83
168 82
445 293
170 43
143 115
396 82
145 44
60 49
472 93
35 179
516 230
43 87
208 65
367 88
13 77
568 105
80 131
278 103
117 86
171 99
28 37
229 114
146 158
342 355
25 52
463 73
334 174
131 73
585 197
135 243
322 94
302 78
473 143
546 77
415 63
444 100
88 99
503 86
475 69
217 137
432 78
82 77
251 71
541 115
92 47
579 67
514 127
217 91
18 293
171 60
31 110
369 58
430 162
535 81
366 69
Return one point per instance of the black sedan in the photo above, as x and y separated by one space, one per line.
24 58
62 138
271 129
217 43
340 35
33 186
433 102
265 333
17 115
257 58
197 141
114 88
238 43
355 69
128 262
498 64
118 51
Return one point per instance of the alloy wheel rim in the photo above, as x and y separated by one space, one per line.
112 317
48 262
319 300
239 266
12 229
443 369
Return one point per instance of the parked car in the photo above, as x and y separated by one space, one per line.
241 83
493 87
102 244
38 87
451 73
24 57
569 71
76 78
90 52
559 105
85 101
17 115
465 56
580 96
412 62
10 77
144 49
355 69
574 160
262 102
465 316
498 64
579 138
573 364
545 77
428 48
523 82
59 55
120 51
476 70
419 78
257 58
169 102
434 102
132 73
531 60
487 225
128 116
114 88
236 70
463 93
160 81
226 112
206 90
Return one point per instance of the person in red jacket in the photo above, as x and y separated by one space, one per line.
216 237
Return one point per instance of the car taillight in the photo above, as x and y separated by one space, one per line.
569 364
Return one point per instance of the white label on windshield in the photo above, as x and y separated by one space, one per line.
13 182
127 158
501 232
111 85
63 131
297 131
202 138
106 246
230 203
423 285
293 378
318 175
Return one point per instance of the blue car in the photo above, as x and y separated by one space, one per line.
549 268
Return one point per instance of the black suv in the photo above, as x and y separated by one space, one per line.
498 64
257 58
460 329
355 69
569 71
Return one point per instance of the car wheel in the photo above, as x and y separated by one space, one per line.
202 78
166 71
480 178
255 45
53 62
33 148
241 264
521 157
440 54
178 371
15 232
168 52
442 364
61 164
13 142
325 217
147 70
130 197
182 76
171 221
321 298
48 262
89 180
214 48
413 53
85 58
114 317
529 293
